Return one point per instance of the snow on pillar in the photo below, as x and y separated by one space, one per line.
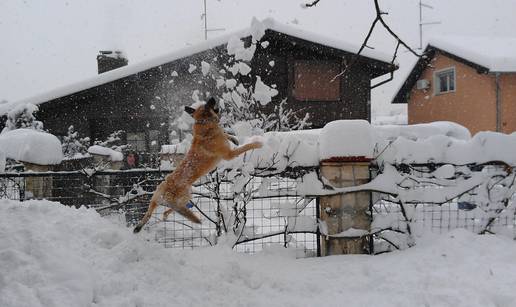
38 151
346 149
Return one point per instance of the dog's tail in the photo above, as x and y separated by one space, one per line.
152 206
138 228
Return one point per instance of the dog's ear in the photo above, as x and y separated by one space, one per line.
211 104
189 110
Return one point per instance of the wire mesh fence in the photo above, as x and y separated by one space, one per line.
271 211
487 207
269 220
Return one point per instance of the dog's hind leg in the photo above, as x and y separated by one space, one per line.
179 204
188 214
170 210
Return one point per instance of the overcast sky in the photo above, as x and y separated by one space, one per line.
50 43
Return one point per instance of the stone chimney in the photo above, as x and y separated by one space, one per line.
109 60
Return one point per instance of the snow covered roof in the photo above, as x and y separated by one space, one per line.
497 54
268 24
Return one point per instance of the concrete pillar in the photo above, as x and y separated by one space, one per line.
347 216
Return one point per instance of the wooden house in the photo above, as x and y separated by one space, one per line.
142 99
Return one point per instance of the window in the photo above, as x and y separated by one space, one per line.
444 81
313 81
137 141
154 140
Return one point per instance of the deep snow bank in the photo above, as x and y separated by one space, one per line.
52 255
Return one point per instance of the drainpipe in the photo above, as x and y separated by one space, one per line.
498 104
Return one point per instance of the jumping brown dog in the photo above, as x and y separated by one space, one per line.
210 145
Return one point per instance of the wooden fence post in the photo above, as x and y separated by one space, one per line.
37 187
347 216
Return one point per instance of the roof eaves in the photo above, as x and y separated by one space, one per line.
414 75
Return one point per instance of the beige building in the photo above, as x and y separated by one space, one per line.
467 80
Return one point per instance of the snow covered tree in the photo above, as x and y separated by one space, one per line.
113 141
74 146
242 109
244 99
23 117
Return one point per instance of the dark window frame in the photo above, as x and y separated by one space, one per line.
450 76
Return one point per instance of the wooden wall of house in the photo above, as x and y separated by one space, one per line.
354 102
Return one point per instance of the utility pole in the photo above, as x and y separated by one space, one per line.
421 23
206 29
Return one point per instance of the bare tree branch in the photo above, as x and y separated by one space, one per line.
313 3
377 20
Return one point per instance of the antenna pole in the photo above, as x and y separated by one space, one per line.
205 22
206 29
421 23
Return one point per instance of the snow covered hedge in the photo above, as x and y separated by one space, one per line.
427 164
438 142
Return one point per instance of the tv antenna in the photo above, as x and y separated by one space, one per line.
206 29
421 23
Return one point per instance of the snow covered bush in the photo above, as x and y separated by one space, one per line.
113 141
23 117
242 96
73 145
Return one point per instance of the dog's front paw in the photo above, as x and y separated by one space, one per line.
257 145
256 141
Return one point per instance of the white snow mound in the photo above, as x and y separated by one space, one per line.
31 146
108 152
346 138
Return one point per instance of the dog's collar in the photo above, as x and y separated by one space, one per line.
206 121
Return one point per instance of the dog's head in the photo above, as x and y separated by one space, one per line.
208 112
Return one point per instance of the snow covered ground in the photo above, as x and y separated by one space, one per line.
52 255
